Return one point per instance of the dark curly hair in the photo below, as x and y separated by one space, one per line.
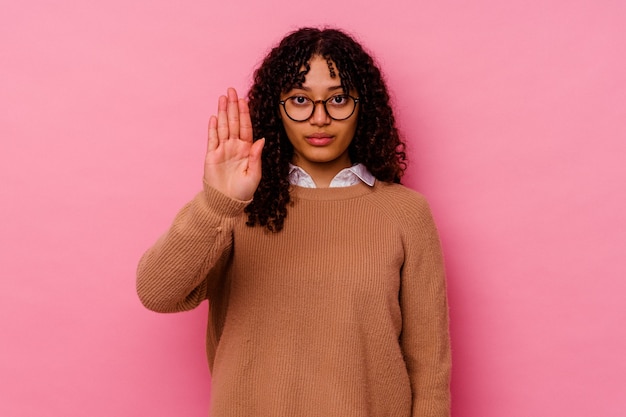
376 143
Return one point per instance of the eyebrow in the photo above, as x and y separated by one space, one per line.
332 88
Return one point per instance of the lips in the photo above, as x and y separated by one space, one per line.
319 139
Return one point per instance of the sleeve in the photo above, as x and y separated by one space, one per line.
177 271
425 339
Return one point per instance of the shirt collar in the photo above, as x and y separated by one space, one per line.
344 178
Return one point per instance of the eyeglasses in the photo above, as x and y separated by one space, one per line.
301 108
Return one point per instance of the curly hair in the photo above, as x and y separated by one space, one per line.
376 143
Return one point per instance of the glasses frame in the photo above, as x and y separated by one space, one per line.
316 102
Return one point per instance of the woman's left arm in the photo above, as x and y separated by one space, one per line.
425 339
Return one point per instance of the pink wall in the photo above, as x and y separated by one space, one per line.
514 111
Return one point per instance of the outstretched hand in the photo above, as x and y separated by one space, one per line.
233 161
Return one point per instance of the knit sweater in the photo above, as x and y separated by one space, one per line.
342 313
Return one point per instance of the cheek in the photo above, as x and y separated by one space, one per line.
351 130
290 130
354 121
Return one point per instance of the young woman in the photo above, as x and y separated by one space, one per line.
324 275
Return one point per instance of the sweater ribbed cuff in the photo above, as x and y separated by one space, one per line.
217 201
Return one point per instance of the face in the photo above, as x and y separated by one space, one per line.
320 143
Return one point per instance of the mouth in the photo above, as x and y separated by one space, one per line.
319 139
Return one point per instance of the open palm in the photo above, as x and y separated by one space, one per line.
233 160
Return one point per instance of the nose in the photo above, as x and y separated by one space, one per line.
320 116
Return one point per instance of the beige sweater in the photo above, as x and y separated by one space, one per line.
341 314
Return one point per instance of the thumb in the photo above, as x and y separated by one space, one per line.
254 160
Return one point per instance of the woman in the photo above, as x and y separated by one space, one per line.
323 274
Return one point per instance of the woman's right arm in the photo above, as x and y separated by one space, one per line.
174 274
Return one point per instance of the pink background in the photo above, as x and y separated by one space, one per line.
515 115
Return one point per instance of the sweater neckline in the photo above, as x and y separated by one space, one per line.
333 193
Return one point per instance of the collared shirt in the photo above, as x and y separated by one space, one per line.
344 178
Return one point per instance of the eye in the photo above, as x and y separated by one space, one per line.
299 100
338 100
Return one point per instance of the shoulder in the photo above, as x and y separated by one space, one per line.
410 214
407 209
399 198
402 192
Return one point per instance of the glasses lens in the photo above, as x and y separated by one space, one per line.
340 107
299 108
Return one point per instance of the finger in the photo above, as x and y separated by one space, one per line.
222 118
245 124
233 114
213 141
